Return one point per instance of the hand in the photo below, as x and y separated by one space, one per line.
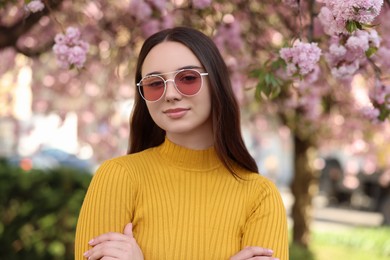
254 253
110 246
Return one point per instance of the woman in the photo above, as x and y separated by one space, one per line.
188 189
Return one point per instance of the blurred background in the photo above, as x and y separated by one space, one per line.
312 82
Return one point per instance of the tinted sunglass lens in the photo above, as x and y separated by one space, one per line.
152 88
188 82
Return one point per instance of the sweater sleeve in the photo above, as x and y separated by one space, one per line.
108 205
267 224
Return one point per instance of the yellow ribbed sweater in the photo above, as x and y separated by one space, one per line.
184 204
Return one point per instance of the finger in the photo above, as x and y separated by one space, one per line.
128 231
108 258
106 249
111 236
262 258
116 245
252 251
93 253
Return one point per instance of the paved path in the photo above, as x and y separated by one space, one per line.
325 218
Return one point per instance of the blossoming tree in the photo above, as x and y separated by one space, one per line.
298 61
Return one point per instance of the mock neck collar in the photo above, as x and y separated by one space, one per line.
182 157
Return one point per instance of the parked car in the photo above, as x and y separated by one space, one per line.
359 190
49 158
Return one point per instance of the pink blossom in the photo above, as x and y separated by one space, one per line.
159 4
380 94
77 56
336 13
304 56
310 83
373 38
384 20
383 57
357 43
312 106
150 27
330 24
69 49
366 10
371 113
141 10
61 49
238 85
345 60
310 103
363 40
337 50
83 45
60 38
201 4
291 3
229 35
72 35
313 75
346 70
291 69
167 22
35 6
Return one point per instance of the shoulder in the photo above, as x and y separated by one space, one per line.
132 160
259 186
128 165
263 195
259 180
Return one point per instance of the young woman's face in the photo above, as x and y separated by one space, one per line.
183 117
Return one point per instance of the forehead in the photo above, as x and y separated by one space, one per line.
169 56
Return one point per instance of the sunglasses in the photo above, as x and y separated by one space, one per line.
187 82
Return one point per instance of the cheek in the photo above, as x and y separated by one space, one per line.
204 106
152 108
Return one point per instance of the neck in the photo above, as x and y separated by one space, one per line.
194 142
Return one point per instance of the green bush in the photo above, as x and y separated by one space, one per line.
39 211
298 252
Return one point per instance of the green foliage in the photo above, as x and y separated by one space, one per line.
269 84
298 252
357 243
362 239
371 51
5 2
39 211
326 252
384 114
352 26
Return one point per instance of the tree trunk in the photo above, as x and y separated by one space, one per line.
302 188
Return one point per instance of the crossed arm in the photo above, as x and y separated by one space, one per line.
110 246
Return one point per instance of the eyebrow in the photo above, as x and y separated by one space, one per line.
182 68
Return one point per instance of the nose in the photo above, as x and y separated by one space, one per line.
171 92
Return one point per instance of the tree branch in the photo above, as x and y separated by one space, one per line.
312 14
36 51
9 35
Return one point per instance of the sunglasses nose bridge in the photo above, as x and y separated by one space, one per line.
170 80
171 91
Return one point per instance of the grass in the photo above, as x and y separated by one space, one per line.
326 252
357 244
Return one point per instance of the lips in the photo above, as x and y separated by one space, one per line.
176 112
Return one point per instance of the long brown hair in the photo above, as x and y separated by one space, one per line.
229 145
